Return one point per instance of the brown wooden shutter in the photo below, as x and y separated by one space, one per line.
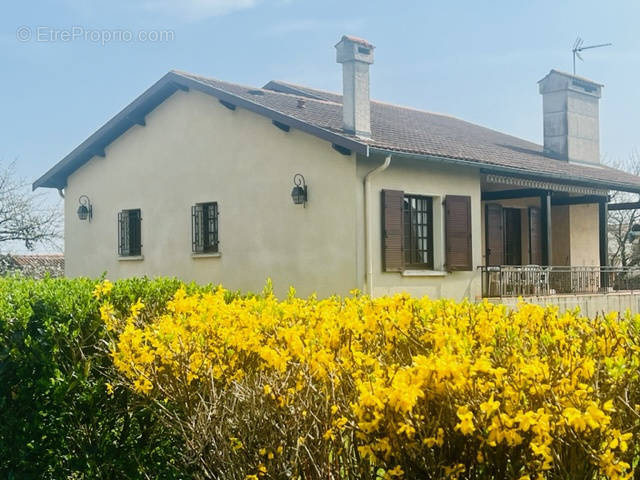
494 238
392 230
535 236
458 232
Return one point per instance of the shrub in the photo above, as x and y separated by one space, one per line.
57 417
399 387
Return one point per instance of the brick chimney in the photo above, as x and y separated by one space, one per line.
571 117
355 55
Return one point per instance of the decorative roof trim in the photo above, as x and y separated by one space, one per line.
544 185
510 171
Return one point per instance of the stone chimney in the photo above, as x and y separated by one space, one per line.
571 119
355 55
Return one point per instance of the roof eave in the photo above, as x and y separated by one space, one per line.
56 177
488 168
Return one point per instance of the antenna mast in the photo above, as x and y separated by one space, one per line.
578 47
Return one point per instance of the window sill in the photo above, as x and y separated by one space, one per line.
133 258
206 255
424 273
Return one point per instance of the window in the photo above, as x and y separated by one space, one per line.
204 227
408 232
418 231
129 238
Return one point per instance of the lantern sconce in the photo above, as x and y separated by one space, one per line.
299 192
85 210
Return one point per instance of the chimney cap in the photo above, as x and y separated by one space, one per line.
350 49
353 39
556 80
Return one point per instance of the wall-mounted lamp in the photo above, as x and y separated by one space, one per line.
85 210
299 192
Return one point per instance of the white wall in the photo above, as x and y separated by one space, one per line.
193 149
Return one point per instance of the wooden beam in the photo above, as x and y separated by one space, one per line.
282 126
623 206
229 105
508 194
603 216
341 149
98 152
581 200
545 210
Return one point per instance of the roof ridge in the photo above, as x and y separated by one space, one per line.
414 109
249 87
297 85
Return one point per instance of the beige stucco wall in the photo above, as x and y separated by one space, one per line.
193 149
585 240
575 235
430 179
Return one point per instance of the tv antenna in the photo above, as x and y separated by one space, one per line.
578 46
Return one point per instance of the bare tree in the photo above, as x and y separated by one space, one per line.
24 217
622 250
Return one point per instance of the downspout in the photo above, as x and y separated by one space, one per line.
368 250
61 193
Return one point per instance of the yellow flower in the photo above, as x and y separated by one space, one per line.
386 374
465 425
102 289
489 406
395 472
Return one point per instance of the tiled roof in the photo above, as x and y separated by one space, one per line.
403 130
409 130
34 265
52 260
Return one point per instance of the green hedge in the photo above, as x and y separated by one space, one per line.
57 419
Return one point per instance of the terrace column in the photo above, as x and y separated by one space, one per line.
603 222
545 211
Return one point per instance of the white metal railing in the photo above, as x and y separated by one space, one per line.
535 280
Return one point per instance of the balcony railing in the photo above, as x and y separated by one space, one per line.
534 280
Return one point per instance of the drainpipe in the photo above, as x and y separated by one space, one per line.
368 253
61 193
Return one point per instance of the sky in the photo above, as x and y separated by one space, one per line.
68 66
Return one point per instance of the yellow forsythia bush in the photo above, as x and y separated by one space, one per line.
393 387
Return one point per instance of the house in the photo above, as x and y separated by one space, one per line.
217 182
33 265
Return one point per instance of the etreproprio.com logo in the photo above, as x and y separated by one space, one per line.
47 34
